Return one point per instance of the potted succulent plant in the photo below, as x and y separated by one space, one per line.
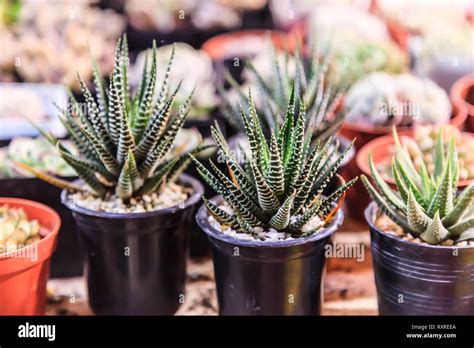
229 51
132 207
28 234
379 101
275 74
422 238
67 261
270 223
421 145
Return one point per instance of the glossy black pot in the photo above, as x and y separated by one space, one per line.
268 278
67 260
420 279
136 262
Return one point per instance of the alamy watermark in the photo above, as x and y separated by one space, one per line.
20 251
345 251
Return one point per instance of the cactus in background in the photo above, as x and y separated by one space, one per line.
123 140
280 185
307 74
427 205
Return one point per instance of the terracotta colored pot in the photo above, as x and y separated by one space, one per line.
220 46
462 98
225 48
24 273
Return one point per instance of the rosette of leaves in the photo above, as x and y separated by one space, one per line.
427 205
124 141
280 185
308 76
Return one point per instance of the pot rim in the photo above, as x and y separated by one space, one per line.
53 216
362 162
203 222
457 119
368 214
214 46
458 92
183 178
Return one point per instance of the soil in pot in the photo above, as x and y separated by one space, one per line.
271 277
415 278
25 256
141 253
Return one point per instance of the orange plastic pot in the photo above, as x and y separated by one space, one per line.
24 272
462 98
224 46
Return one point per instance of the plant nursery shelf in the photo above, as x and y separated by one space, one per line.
349 286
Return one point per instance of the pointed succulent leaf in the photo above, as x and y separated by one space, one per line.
383 187
266 197
463 204
462 227
435 233
220 215
398 217
281 219
275 174
417 219
442 200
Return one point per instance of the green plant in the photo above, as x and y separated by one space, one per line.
426 205
15 229
124 140
307 74
280 185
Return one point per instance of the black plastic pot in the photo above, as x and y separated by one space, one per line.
67 260
136 262
268 278
420 279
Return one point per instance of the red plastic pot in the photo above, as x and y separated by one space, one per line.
24 273
462 98
218 46
225 48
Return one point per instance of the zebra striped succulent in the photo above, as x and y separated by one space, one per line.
307 74
124 141
426 205
280 185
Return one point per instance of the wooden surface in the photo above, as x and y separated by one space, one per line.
349 287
